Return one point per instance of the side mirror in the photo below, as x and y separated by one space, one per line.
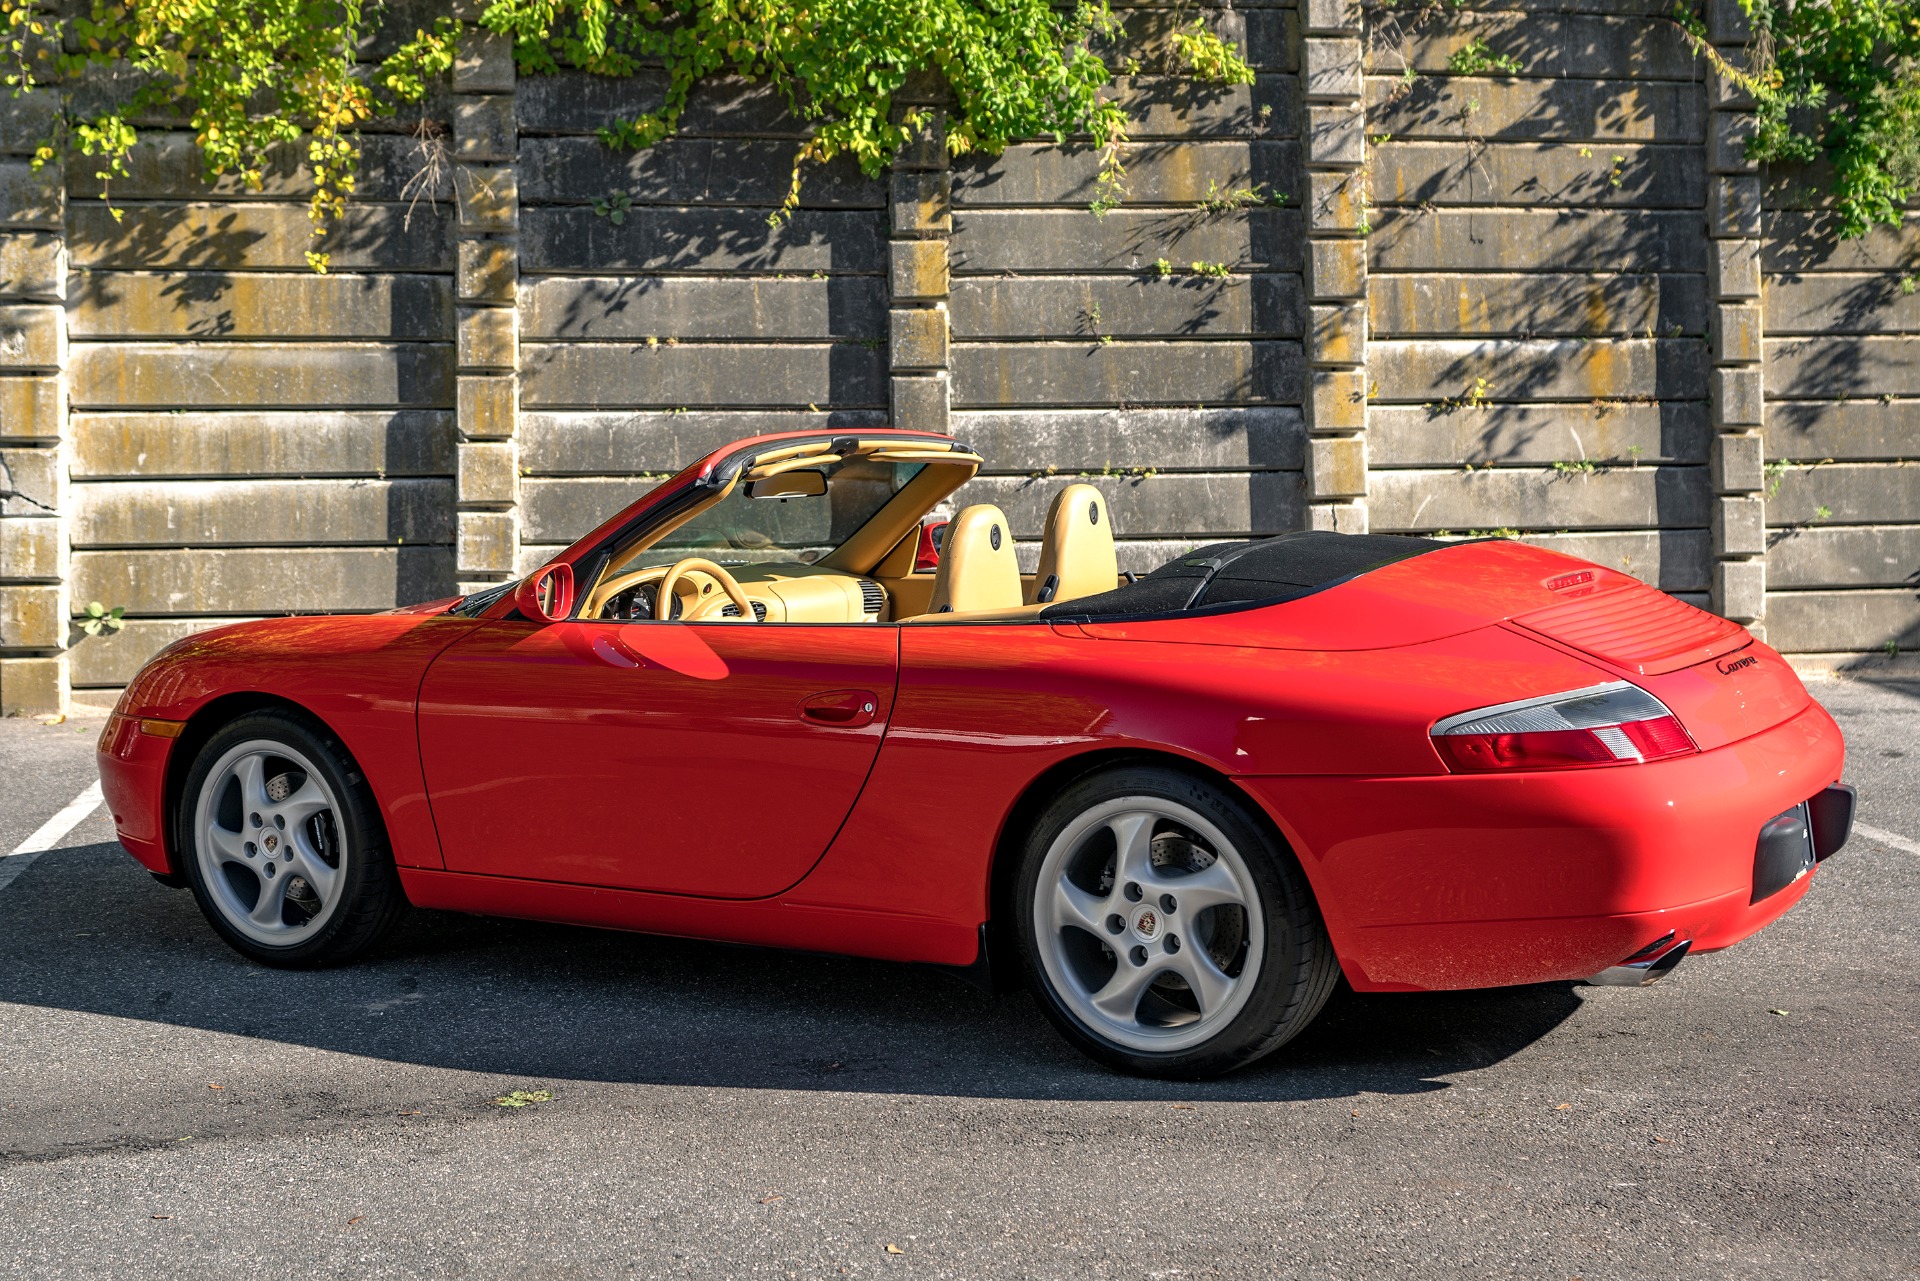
789 484
546 595
927 554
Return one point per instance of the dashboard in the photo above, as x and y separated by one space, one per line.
779 593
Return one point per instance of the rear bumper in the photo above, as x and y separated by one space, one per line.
1462 881
133 782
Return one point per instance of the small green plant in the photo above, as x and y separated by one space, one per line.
1909 283
1479 395
1220 200
1576 466
1893 648
1823 512
523 1098
98 620
614 208
1162 268
1476 58
1218 270
1209 57
1776 475
1616 174
1109 188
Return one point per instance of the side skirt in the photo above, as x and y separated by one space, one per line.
881 936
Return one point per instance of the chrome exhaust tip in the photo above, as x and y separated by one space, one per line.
1647 966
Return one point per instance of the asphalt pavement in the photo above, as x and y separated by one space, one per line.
169 1110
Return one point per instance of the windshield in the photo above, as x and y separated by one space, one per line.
739 530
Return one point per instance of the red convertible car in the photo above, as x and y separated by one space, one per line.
779 701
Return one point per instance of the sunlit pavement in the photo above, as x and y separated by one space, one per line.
167 1109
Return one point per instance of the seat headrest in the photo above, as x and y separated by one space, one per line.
1077 556
977 568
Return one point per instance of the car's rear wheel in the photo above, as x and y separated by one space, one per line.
1166 930
282 842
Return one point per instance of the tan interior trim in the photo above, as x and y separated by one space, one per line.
767 471
907 595
898 563
1012 614
809 449
925 456
872 541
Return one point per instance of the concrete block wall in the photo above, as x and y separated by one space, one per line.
247 437
662 314
35 442
1076 357
1841 481
1363 292
1538 294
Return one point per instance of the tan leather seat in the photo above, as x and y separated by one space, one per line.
1076 551
977 568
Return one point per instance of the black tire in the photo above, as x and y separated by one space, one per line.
370 900
1295 970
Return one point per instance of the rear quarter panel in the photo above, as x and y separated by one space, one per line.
985 710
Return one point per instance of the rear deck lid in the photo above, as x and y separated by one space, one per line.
1638 629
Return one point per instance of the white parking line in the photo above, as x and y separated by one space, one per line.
1893 839
49 834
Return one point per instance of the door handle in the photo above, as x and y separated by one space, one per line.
841 708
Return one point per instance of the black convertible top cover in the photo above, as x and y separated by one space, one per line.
1260 571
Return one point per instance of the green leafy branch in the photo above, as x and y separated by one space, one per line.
1835 80
1476 58
250 77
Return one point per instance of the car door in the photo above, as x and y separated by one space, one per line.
715 759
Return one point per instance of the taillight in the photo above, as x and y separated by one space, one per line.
1612 724
926 554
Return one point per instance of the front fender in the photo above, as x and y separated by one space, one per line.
359 675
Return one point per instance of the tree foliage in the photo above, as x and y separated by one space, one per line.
1838 79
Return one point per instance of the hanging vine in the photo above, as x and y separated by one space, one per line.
1839 79
252 76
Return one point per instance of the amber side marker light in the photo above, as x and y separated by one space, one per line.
1612 724
163 729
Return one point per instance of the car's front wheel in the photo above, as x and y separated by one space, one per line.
283 844
1166 930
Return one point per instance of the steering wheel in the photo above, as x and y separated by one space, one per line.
663 600
598 598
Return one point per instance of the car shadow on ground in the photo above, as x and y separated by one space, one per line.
85 930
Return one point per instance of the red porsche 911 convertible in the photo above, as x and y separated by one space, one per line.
777 701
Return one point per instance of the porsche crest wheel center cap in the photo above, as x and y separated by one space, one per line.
272 842
1146 924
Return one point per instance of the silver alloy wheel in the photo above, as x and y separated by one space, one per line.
1149 924
267 838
